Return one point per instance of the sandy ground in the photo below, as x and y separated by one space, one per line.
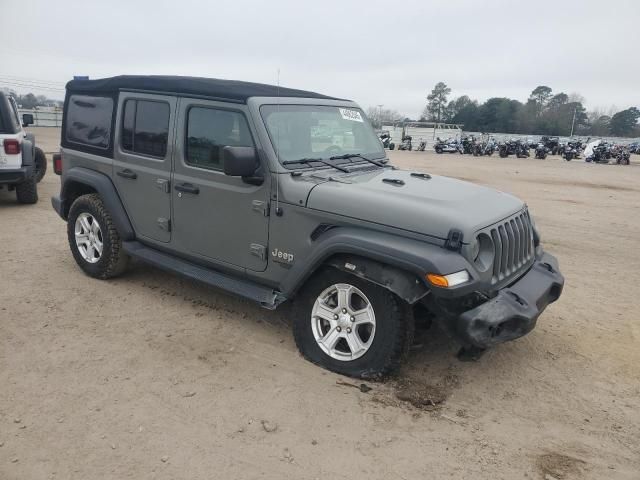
153 376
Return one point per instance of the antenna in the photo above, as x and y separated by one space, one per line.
278 147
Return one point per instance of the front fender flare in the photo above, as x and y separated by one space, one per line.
403 254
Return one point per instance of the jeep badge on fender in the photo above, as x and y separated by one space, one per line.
283 257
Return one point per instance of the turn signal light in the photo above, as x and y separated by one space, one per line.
447 281
437 280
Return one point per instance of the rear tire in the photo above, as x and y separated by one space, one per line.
390 334
41 164
94 240
27 191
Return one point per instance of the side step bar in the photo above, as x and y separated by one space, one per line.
265 296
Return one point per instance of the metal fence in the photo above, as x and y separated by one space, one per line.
44 118
508 136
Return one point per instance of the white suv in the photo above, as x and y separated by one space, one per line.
22 165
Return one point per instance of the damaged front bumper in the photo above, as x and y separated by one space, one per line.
513 312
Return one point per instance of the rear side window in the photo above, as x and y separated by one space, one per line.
145 127
88 121
209 130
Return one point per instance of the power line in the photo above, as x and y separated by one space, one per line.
26 85
31 80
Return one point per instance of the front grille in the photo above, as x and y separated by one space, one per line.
513 246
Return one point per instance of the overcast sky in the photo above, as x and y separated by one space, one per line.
374 52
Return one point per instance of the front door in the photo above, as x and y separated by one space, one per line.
142 162
217 217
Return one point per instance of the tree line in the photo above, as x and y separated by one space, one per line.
544 113
30 101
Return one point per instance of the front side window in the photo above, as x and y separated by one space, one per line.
316 131
88 120
145 127
209 130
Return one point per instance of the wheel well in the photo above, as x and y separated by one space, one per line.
72 191
405 284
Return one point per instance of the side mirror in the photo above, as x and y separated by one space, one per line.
240 161
27 119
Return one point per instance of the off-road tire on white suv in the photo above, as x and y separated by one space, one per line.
40 164
27 191
393 320
111 260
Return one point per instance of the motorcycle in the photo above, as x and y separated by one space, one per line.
467 144
385 138
446 146
552 144
406 143
569 152
506 148
489 147
541 151
599 153
522 149
623 156
421 146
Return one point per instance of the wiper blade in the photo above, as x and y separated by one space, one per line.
354 155
319 160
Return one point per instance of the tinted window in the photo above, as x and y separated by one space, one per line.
145 127
127 124
88 120
209 131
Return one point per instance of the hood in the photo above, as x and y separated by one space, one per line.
429 206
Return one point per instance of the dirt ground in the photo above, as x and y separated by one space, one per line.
153 376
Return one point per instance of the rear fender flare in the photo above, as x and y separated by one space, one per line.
103 185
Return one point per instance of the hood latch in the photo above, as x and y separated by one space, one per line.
454 240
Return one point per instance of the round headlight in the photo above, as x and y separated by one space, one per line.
485 252
475 250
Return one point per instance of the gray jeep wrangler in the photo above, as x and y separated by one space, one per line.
22 164
276 194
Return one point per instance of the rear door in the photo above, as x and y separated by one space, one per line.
142 162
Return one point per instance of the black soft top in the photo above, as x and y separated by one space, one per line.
233 90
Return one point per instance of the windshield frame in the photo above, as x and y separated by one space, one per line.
379 155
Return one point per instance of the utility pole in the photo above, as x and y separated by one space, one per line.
380 115
574 120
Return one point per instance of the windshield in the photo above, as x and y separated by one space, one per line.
315 131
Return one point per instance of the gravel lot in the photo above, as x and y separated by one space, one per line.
153 376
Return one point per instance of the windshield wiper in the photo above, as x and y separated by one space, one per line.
354 155
319 160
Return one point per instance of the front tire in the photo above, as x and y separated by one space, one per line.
94 240
351 326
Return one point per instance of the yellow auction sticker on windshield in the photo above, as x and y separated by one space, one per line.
352 115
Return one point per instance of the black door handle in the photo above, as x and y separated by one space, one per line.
126 173
187 188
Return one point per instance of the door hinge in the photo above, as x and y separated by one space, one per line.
258 250
260 206
164 224
163 184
